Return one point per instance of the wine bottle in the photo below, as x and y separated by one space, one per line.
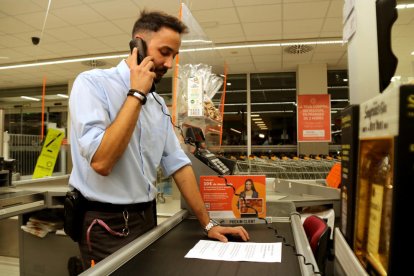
365 172
379 225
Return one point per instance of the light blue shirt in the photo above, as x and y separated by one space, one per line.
95 100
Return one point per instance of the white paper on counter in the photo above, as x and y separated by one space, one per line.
237 251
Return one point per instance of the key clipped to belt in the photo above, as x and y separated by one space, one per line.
125 230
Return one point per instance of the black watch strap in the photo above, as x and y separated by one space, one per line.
138 94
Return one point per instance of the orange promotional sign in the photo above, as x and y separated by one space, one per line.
234 196
314 118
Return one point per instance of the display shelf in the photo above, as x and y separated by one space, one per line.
198 78
345 263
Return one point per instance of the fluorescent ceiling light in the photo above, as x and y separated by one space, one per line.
257 119
395 78
235 130
60 61
190 41
262 103
62 96
339 100
267 112
30 98
264 90
261 135
255 115
257 45
232 46
405 6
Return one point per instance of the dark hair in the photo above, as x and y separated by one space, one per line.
251 181
155 20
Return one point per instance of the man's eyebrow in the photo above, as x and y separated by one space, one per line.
170 49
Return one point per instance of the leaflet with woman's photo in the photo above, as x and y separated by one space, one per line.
235 196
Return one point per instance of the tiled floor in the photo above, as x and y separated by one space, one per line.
10 266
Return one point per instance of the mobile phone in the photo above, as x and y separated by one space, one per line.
142 52
142 48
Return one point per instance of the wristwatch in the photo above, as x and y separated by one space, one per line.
210 225
138 94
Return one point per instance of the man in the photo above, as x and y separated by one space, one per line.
119 137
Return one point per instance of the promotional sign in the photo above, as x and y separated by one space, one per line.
50 150
314 118
234 196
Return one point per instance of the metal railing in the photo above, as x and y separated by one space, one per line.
286 169
25 149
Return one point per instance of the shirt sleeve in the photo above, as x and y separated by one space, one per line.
89 115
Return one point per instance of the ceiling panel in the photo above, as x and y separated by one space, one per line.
99 29
299 11
78 15
335 9
224 33
260 13
222 16
92 27
302 27
116 9
257 31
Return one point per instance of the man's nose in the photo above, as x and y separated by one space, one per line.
169 62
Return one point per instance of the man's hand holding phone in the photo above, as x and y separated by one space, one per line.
142 75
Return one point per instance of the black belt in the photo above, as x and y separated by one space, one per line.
109 207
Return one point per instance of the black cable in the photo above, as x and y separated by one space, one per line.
166 114
277 235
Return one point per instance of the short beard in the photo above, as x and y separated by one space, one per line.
157 80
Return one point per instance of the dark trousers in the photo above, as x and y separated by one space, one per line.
104 243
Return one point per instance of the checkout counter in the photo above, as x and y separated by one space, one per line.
30 195
161 251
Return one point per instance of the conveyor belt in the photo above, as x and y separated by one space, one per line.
161 251
166 255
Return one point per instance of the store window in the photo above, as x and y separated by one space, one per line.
273 110
235 111
339 91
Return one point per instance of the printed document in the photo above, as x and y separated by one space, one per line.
237 251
